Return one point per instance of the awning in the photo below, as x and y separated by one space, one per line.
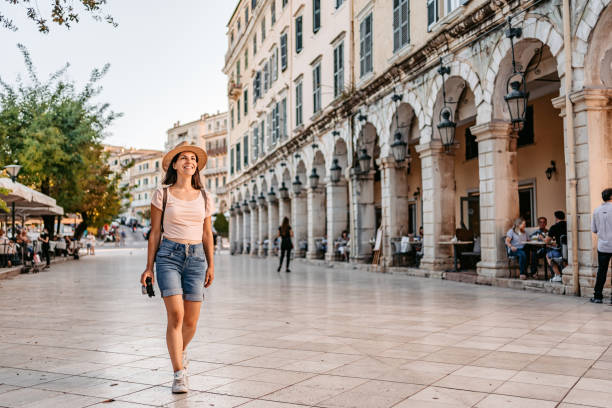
26 198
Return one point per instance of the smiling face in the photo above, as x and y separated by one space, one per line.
186 164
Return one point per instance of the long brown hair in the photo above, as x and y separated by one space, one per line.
284 229
171 175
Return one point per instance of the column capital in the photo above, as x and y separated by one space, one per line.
496 129
434 148
390 163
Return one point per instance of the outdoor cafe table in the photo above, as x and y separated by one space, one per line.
455 252
535 246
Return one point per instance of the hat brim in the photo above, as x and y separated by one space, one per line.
198 151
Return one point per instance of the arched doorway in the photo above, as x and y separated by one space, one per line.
337 200
316 202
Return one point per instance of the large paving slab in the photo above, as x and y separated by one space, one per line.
81 334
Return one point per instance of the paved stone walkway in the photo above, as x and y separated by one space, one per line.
82 334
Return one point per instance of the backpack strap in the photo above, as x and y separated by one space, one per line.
203 191
164 201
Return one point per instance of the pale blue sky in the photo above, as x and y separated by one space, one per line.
166 59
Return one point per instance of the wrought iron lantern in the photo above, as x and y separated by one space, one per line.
13 171
245 205
271 195
335 171
399 147
231 209
284 191
446 126
314 178
253 202
516 85
261 199
364 161
297 186
335 133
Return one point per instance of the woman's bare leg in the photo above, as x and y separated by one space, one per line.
174 335
190 320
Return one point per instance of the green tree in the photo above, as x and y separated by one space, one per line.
221 225
61 12
55 132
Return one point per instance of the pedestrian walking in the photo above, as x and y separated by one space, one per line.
44 239
601 224
285 233
183 259
123 238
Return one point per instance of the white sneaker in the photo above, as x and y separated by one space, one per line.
179 385
556 278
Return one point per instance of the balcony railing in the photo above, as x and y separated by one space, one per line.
217 151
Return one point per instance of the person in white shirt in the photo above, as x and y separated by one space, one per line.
601 225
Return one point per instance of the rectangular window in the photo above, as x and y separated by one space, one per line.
245 143
232 117
432 13
254 44
316 88
262 131
285 3
238 156
266 76
216 182
238 111
274 65
270 127
452 5
238 72
471 145
401 24
223 181
298 104
339 3
283 47
257 86
245 102
273 12
283 118
255 143
246 58
526 136
316 15
263 29
298 34
253 4
209 184
338 69
246 16
365 45
527 203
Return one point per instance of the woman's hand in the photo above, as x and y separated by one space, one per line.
210 276
148 273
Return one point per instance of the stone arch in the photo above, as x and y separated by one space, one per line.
595 19
264 187
409 99
373 121
318 163
534 29
340 152
368 139
458 69
223 207
598 59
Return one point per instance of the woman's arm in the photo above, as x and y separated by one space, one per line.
153 244
209 249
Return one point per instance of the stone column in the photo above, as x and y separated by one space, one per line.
498 173
593 157
238 228
232 227
363 215
273 223
395 202
263 227
254 231
284 209
246 228
438 172
316 218
337 214
298 222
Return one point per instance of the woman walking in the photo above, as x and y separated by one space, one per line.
285 233
184 257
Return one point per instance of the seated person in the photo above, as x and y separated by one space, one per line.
515 242
553 240
7 249
342 245
539 235
26 245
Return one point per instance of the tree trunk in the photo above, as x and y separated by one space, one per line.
49 222
80 229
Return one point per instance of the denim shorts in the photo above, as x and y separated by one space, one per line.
553 253
181 269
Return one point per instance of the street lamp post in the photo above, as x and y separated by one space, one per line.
13 171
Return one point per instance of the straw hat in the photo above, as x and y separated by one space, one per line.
185 147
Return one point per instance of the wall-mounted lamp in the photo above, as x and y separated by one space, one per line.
284 191
446 125
335 171
551 170
335 133
362 118
516 85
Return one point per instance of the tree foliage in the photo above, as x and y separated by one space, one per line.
61 12
55 132
221 224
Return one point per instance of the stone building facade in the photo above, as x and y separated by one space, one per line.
327 84
145 177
